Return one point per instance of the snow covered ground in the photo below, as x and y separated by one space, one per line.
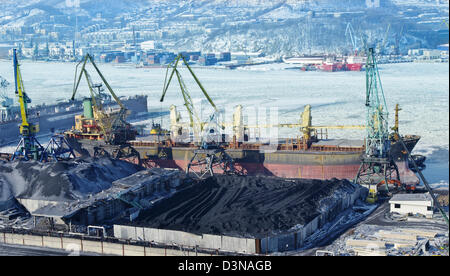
422 90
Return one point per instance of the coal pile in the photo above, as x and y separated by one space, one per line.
62 181
245 206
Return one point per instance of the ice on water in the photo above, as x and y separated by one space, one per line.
337 98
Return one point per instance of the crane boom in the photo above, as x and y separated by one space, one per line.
349 31
23 99
174 66
26 128
111 127
106 83
83 71
186 97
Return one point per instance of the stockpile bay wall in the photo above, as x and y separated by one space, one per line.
75 246
277 243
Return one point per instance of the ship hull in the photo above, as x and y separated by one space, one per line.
318 162
354 66
309 164
285 164
328 67
398 153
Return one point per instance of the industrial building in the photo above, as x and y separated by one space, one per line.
412 204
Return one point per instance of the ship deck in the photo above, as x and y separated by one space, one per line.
346 143
284 144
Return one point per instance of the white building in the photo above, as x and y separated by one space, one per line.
412 204
432 54
148 45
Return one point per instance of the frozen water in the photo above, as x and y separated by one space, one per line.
422 90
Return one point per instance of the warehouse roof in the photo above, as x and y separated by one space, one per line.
412 197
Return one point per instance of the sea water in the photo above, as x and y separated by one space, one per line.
336 98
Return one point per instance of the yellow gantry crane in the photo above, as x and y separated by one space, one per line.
28 147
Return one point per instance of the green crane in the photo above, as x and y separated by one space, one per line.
377 140
87 58
377 166
210 155
114 127
195 121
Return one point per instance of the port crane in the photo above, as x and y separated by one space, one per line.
377 166
381 46
96 123
210 155
349 31
194 119
29 147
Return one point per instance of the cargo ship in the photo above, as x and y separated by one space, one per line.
328 64
354 63
312 156
349 63
332 64
291 158
60 116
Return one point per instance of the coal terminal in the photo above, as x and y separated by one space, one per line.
243 206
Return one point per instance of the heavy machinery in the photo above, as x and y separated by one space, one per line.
195 121
381 46
349 31
210 155
377 167
96 123
29 147
107 130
